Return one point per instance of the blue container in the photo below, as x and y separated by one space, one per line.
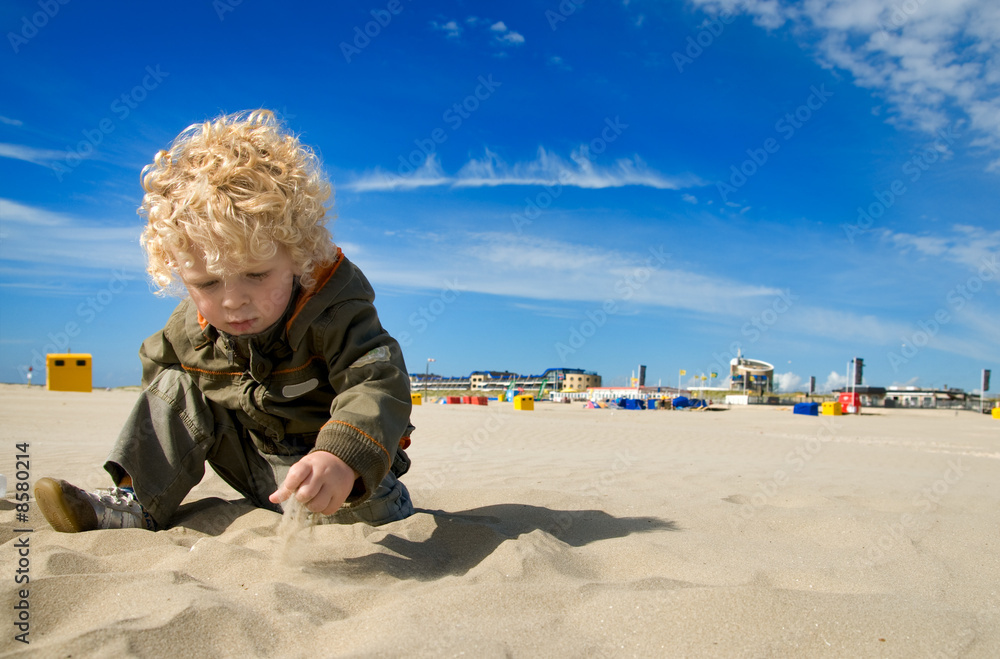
812 409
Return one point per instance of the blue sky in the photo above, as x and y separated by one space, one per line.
543 184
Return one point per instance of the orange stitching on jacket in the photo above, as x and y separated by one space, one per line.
374 441
201 370
297 368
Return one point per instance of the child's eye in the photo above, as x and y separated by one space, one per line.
258 276
205 285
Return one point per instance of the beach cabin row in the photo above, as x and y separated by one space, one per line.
466 400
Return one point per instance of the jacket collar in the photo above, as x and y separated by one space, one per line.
314 301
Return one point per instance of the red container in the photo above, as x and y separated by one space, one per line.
453 400
850 403
480 400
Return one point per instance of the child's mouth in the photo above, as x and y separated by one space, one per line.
241 326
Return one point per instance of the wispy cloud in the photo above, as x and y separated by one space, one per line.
966 245
505 35
11 122
43 157
501 34
541 269
548 169
929 60
558 62
451 29
33 235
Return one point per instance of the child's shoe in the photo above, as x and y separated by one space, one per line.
71 510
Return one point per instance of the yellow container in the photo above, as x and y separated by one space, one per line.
69 372
832 408
417 399
996 412
524 402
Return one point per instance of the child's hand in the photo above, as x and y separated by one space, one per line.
320 481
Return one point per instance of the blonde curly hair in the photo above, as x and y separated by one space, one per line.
231 190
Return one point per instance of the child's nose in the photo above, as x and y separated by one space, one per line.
235 296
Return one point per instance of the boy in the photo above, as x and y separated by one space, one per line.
275 369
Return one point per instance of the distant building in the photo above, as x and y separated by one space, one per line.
553 379
930 398
750 375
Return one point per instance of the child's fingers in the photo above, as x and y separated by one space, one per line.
296 475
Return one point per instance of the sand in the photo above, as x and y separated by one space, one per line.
746 532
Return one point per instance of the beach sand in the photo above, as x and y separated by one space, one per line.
745 532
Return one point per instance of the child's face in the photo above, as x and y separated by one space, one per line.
245 303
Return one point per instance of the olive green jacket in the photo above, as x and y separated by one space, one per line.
325 377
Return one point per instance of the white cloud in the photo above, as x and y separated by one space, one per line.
547 169
37 236
513 38
558 62
533 268
787 381
936 63
834 381
505 35
501 33
428 174
451 29
11 122
30 154
975 248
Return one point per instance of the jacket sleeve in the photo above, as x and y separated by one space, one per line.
156 354
370 412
